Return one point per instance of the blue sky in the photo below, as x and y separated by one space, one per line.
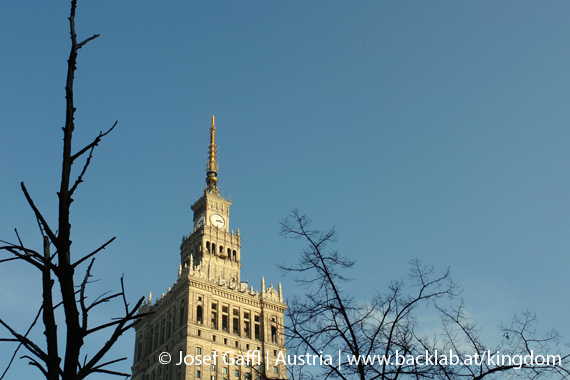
436 130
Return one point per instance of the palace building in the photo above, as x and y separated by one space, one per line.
210 324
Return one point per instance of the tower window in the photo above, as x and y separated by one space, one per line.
140 349
236 326
169 325
181 315
236 321
199 314
214 315
207 246
225 318
246 325
155 341
257 328
224 322
162 328
148 342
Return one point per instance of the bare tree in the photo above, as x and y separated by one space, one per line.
379 339
58 266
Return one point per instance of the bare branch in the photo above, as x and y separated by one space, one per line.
35 363
29 255
80 45
38 214
18 235
31 346
99 301
80 177
94 143
92 253
9 259
108 372
124 296
121 327
82 295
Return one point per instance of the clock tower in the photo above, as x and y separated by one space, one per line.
209 310
212 243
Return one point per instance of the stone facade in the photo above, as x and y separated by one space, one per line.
209 314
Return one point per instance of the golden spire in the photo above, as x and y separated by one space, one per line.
212 165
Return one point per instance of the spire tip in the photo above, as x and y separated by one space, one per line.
212 165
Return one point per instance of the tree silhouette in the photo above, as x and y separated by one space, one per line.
59 267
327 320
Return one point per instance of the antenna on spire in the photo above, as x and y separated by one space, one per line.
212 165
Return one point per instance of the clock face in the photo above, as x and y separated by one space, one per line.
200 221
217 221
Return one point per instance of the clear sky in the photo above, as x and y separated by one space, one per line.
437 130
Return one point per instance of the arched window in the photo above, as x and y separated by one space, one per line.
199 314
234 256
229 254
207 246
213 248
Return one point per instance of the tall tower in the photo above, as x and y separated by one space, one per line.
219 325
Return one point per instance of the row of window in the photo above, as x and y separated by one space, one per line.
235 322
211 248
160 332
247 375
159 375
225 370
226 342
